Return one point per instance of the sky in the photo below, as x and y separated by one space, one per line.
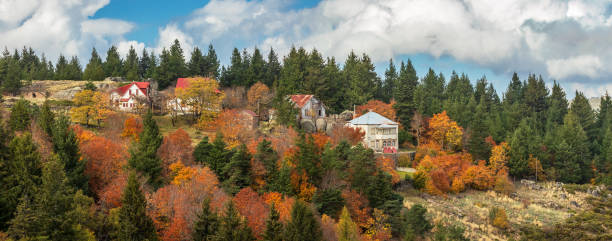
568 41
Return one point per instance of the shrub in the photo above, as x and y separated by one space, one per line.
498 218
415 220
419 179
404 161
503 184
450 232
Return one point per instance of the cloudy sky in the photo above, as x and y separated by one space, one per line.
568 41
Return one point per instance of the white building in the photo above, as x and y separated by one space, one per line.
310 107
380 132
128 97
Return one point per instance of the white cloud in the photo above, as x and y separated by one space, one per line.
123 47
585 65
58 26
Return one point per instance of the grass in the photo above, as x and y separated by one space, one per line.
529 207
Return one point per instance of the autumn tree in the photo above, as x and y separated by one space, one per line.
203 98
134 223
479 176
235 127
251 206
105 162
499 157
445 131
143 154
378 228
132 128
176 147
377 106
347 229
258 95
303 226
90 105
351 135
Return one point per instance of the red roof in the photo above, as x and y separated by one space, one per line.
143 86
250 112
300 100
184 83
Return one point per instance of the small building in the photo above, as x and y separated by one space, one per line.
310 107
130 96
380 132
250 118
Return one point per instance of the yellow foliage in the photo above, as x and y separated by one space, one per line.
378 227
203 98
499 157
181 173
445 131
90 105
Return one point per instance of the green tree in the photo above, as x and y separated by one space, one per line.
273 69
62 70
46 118
75 72
11 79
238 171
523 142
292 74
406 85
328 201
309 158
21 171
452 232
144 64
557 106
234 74
416 220
361 167
130 66
303 225
212 63
94 69
429 96
214 155
391 82
274 228
314 83
134 223
333 95
477 145
257 69
143 154
197 65
458 95
66 146
586 116
21 113
56 211
206 224
268 157
232 226
113 66
573 157
347 229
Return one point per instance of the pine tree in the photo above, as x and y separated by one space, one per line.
207 223
12 74
134 223
144 157
557 106
347 229
361 166
292 73
313 81
212 63
238 171
274 228
62 71
214 155
328 201
197 63
268 157
46 118
308 158
113 66
144 64
523 142
94 70
21 175
273 69
303 225
416 220
20 115
56 212
163 71
407 83
75 72
477 145
232 226
66 146
257 69
572 152
586 117
130 67
391 82
152 67
430 94
458 95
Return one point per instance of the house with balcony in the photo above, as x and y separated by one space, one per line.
131 96
381 133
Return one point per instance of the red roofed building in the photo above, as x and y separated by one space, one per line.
310 107
129 96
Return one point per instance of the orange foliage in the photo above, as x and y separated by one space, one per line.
377 106
253 208
378 227
341 133
479 177
176 147
282 204
388 165
258 94
181 173
282 139
444 172
458 185
235 126
444 131
110 195
132 128
173 204
320 139
426 149
439 179
499 157
358 206
305 190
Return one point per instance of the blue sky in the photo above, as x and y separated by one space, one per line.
563 40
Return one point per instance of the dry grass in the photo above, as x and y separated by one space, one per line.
471 208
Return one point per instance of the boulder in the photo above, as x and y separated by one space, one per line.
321 124
308 126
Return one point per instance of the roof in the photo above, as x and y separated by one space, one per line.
372 118
141 85
300 100
250 112
184 83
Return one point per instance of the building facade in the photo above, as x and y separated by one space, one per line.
310 107
131 96
381 134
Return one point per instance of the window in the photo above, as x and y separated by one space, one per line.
320 112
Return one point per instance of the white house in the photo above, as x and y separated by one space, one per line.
128 97
310 107
380 132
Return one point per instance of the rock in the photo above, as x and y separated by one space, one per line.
563 196
552 205
574 203
514 195
346 115
308 126
321 124
595 193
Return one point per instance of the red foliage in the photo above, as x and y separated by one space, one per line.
341 133
110 195
236 126
253 208
358 206
320 139
282 139
176 147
